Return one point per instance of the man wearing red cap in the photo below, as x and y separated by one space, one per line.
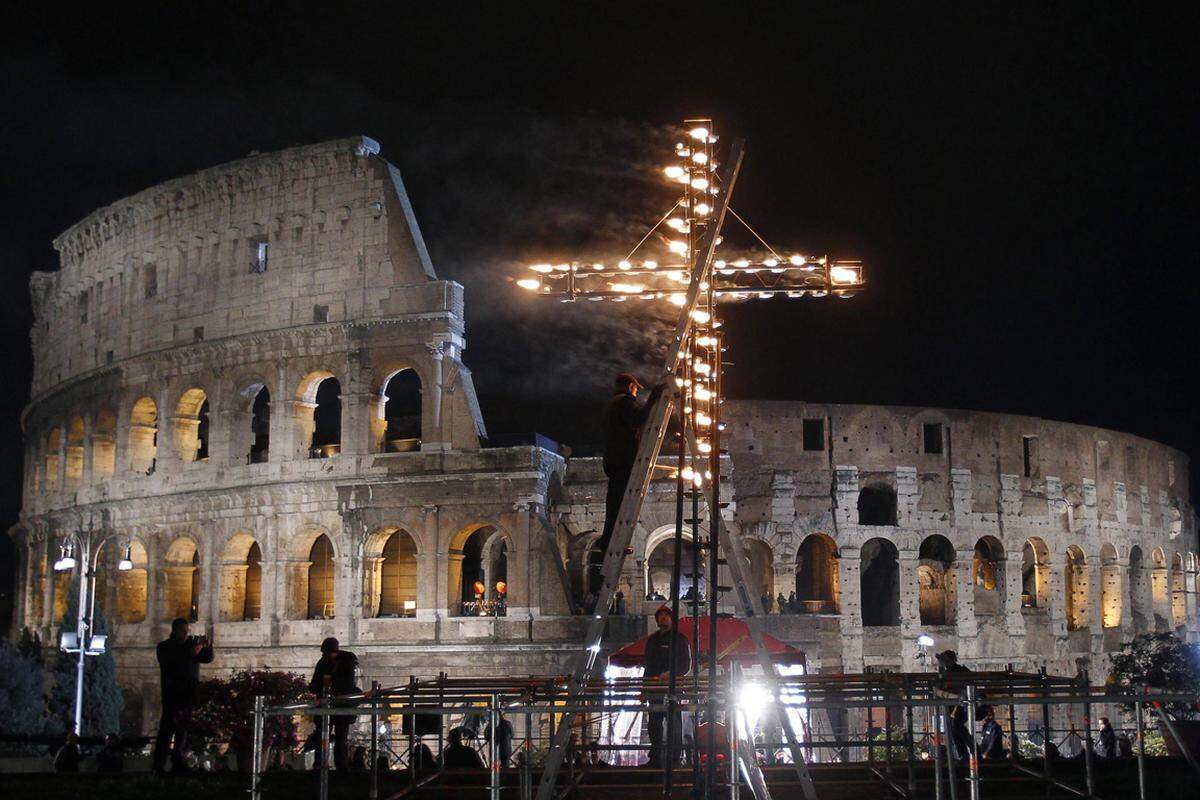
658 669
623 421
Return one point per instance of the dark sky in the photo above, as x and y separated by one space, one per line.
1021 182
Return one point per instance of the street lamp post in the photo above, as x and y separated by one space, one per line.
84 641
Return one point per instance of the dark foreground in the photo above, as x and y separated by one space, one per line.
1165 777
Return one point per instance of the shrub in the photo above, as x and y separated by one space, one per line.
1162 662
22 698
224 711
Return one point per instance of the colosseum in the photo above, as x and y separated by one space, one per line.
253 378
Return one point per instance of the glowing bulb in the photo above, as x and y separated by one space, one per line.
703 395
597 267
703 368
678 299
702 209
697 480
675 223
542 268
624 265
699 134
650 264
563 267
700 183
628 288
843 276
701 316
700 158
532 284
677 247
704 447
673 171
679 381
706 341
797 260
770 262
703 420
741 262
719 264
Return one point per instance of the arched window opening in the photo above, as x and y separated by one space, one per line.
1035 574
660 566
987 576
398 577
880 583
143 436
252 605
327 420
320 579
54 444
877 505
402 412
260 427
191 426
183 580
76 435
817 590
133 586
104 445
1076 590
483 576
1110 587
935 580
1178 593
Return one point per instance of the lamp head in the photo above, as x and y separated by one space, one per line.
925 640
126 562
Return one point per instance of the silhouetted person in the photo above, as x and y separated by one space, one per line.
334 674
1108 740
111 757
504 740
421 757
623 421
991 746
358 759
179 660
68 756
658 669
953 681
792 608
458 755
765 600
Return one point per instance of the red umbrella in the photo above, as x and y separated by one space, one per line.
733 644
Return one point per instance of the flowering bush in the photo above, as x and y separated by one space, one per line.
224 712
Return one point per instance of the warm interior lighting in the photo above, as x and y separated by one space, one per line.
699 134
843 276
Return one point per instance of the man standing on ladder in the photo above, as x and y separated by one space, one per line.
623 421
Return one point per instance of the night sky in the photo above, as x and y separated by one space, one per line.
1021 183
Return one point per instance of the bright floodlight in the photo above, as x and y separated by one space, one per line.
699 134
752 700
841 275
925 640
126 562
533 284
64 564
69 641
96 645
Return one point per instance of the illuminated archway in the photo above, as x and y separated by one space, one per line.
321 571
817 590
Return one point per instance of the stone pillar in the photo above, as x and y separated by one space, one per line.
1160 596
293 589
1120 502
348 582
432 566
358 410
61 471
299 425
232 592
965 621
433 428
850 620
962 495
910 596
908 495
51 552
520 589
1014 620
1057 611
1010 495
154 586
88 474
1095 612
845 492
372 584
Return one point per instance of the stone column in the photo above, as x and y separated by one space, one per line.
850 620
910 597
48 589
962 496
433 434
845 492
1124 595
61 471
348 582
432 566
520 590
965 621
908 495
1057 595
1160 595
88 474
358 409
232 600
1095 612
372 584
154 592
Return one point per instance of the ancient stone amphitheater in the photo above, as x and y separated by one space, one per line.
254 378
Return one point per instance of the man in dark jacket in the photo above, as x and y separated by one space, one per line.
335 675
623 421
992 744
458 755
1108 740
658 669
179 660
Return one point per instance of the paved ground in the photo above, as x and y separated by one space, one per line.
1166 778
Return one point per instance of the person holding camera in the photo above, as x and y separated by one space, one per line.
334 675
179 660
